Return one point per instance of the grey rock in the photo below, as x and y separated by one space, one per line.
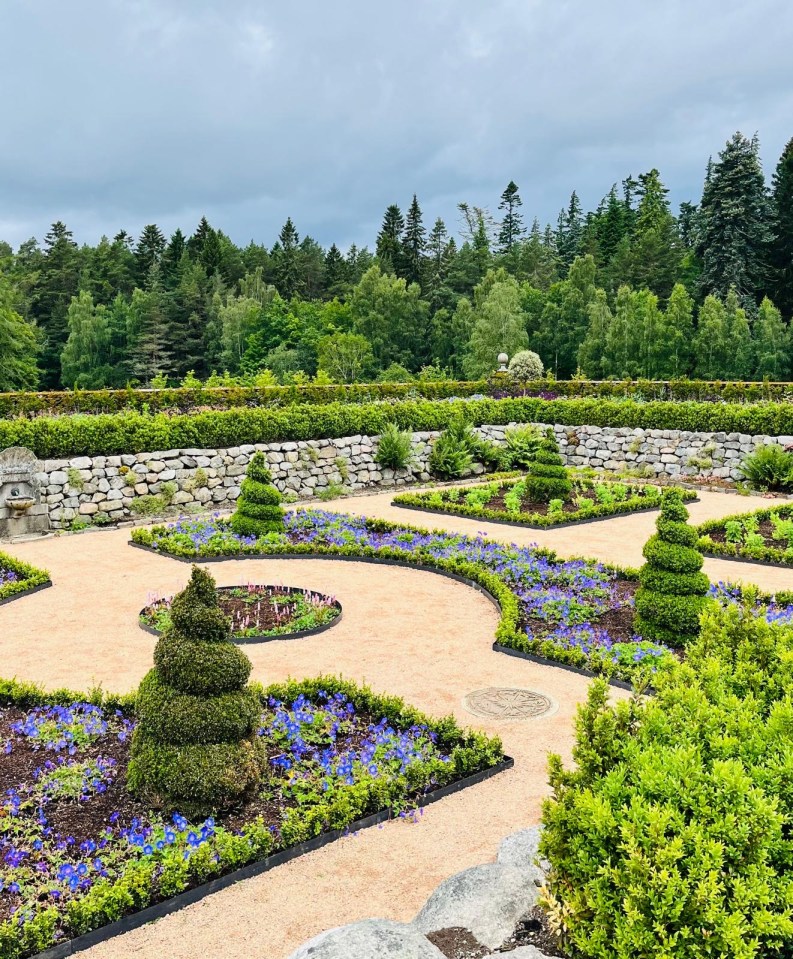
370 939
80 463
526 952
520 849
487 900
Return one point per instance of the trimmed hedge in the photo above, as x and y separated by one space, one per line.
133 432
258 509
546 476
29 577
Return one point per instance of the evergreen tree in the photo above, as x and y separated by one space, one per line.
195 245
148 331
655 253
85 360
413 244
195 749
781 253
712 341
612 226
570 230
772 345
285 256
336 273
58 281
18 345
499 327
172 258
537 261
148 252
389 241
512 225
734 223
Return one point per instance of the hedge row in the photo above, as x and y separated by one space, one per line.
227 397
132 432
28 577
709 391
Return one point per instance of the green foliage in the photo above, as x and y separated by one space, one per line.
770 467
258 509
522 444
524 366
395 448
743 540
195 748
672 590
456 450
546 475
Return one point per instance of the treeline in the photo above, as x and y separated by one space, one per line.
628 289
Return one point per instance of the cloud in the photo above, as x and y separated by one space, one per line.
137 111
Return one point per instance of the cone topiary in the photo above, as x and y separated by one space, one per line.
673 588
259 505
195 749
546 476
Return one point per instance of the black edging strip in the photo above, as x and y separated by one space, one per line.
26 592
745 559
161 909
513 522
255 640
377 561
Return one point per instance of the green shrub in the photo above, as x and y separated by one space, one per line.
195 748
546 476
525 366
672 590
768 468
451 456
395 448
258 509
521 446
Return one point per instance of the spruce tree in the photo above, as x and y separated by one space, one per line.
389 241
148 252
196 749
672 589
781 253
413 243
511 229
570 230
258 509
655 252
285 256
336 281
734 223
57 282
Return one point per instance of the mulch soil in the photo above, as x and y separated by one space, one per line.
533 930
617 621
766 529
541 509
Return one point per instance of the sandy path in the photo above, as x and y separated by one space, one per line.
403 631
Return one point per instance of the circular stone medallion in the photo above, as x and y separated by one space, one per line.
504 702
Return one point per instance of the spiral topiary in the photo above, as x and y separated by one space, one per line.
546 476
259 505
195 749
673 588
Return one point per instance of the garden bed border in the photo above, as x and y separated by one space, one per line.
190 896
25 592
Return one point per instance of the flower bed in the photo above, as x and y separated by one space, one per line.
18 578
509 502
77 851
259 613
764 536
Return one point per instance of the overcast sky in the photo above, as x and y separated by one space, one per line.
118 113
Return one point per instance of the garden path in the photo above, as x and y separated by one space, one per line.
403 631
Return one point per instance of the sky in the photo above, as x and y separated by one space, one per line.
119 113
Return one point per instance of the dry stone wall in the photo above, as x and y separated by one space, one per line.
114 488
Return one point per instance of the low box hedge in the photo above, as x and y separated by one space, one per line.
777 555
29 577
133 432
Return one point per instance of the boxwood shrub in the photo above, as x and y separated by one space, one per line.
27 577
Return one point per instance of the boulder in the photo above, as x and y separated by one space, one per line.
367 940
488 901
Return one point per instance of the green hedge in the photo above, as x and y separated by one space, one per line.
226 397
138 432
779 555
29 576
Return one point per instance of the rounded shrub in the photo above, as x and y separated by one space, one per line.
672 590
524 366
259 505
546 476
195 749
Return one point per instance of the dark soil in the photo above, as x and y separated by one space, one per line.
541 509
533 930
766 529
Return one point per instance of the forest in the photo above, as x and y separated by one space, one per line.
630 289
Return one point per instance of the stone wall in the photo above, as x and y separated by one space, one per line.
114 488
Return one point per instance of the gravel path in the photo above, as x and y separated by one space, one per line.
407 632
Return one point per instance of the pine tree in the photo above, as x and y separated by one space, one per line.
772 344
389 241
413 243
672 591
781 253
196 749
85 360
512 225
734 223
258 509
